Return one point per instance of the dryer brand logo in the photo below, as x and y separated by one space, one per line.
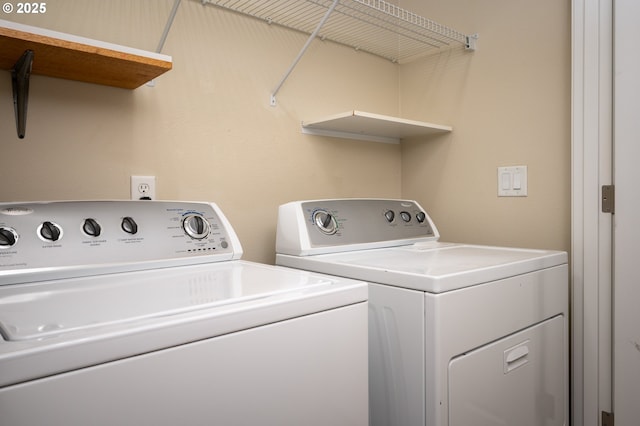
16 211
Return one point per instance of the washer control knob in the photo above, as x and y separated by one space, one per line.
389 215
406 216
91 227
325 222
421 217
8 237
196 226
50 231
129 225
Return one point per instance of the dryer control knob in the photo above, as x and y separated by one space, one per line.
406 216
8 237
325 222
389 215
421 216
196 226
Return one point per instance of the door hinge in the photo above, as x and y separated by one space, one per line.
608 199
607 419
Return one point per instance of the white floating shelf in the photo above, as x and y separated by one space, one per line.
372 127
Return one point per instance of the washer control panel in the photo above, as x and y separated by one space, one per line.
361 221
84 235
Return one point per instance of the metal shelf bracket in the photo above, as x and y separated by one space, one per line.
165 33
20 74
272 100
471 41
376 27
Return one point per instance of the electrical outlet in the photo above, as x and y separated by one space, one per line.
143 187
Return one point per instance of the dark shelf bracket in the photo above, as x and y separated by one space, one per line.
20 74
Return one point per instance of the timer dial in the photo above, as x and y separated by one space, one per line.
325 222
196 226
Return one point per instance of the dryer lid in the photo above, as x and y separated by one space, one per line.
432 267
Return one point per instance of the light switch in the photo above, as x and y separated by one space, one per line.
512 181
506 181
517 181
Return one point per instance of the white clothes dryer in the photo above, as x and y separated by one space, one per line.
142 313
459 334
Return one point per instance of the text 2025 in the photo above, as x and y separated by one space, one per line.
31 8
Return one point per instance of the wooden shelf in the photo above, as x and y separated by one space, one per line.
367 126
77 58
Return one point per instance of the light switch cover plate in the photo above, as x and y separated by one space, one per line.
512 181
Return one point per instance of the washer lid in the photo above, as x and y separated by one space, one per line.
433 267
106 302
56 326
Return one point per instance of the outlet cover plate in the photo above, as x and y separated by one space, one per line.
143 187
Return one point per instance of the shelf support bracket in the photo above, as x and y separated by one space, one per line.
471 42
165 33
302 51
167 27
20 74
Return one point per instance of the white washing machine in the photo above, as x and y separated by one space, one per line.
142 313
459 335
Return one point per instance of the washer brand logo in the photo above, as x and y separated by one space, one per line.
16 211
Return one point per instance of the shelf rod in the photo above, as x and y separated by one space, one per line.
302 51
165 33
167 27
20 74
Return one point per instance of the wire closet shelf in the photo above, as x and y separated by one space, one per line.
373 26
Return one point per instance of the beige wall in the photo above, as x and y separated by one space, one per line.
509 104
207 132
206 129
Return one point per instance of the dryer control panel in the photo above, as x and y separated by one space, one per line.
324 226
74 238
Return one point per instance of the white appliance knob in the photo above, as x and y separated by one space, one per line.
8 237
196 226
325 222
